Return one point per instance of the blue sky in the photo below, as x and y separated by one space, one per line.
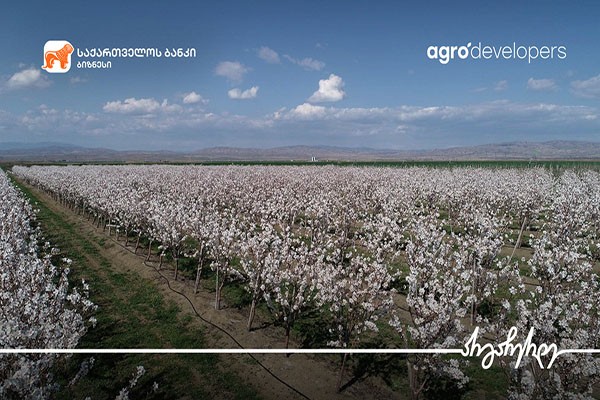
276 73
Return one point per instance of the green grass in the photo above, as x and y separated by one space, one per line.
133 314
485 383
236 296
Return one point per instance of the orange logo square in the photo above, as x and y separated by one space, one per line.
57 56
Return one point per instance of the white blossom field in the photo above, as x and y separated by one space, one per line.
417 257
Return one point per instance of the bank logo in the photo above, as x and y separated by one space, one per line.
57 56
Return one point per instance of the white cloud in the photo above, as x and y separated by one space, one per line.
132 106
245 95
193 97
498 87
308 111
469 114
77 79
139 106
330 89
404 126
268 55
232 70
311 64
501 85
280 113
589 88
31 77
307 63
166 107
541 84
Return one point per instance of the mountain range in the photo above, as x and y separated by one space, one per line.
61 152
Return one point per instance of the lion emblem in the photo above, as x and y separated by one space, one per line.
61 56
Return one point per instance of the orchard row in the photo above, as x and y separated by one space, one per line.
38 310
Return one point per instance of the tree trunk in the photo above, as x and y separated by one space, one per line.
473 308
414 395
518 242
198 273
339 382
217 292
176 266
252 312
287 336
137 244
149 251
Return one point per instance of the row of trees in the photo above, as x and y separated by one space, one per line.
338 240
38 309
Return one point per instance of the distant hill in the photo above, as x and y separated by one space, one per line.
34 146
558 149
60 152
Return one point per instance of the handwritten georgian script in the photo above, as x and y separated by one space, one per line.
507 348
